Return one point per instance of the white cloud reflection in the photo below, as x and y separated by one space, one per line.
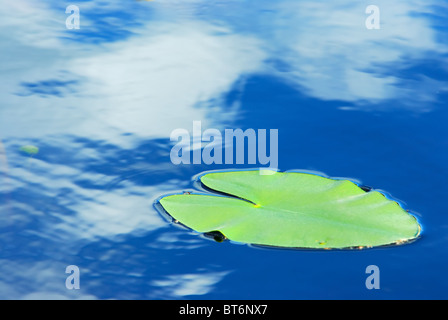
41 280
332 55
155 81
99 212
182 285
148 85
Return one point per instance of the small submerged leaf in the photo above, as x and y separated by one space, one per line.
293 209
30 150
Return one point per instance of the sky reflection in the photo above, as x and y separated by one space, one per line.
101 102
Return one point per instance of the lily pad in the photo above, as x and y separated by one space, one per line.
30 150
294 210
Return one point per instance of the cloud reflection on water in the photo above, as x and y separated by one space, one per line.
91 100
184 285
333 56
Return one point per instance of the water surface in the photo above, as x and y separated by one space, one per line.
101 101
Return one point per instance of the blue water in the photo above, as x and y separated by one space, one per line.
101 101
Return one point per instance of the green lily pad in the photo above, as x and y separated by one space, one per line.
294 210
31 150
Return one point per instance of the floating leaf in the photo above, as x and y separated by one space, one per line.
31 150
292 209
